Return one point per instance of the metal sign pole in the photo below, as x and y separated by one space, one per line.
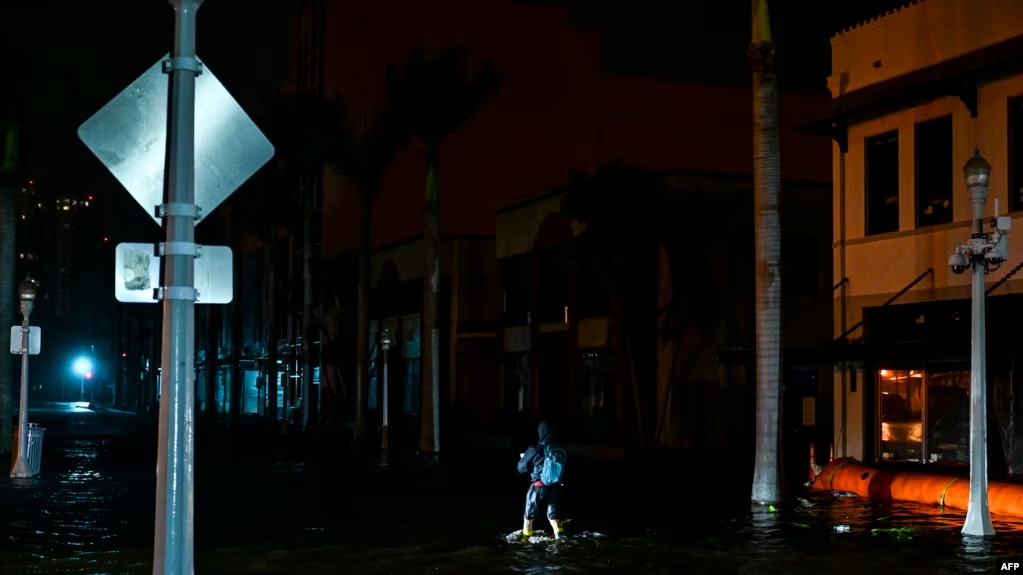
228 148
172 552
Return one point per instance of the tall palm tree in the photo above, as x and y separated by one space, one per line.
436 94
362 159
767 480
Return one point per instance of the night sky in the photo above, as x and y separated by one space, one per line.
706 40
66 59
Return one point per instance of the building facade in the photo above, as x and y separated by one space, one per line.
914 93
537 320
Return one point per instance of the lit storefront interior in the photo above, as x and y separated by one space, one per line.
924 415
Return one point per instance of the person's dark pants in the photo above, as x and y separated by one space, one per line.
540 496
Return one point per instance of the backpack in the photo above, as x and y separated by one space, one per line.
554 459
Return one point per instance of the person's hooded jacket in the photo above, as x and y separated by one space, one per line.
531 461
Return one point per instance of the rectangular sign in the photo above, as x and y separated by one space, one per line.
35 336
137 274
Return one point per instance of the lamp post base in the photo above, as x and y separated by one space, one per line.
20 469
978 523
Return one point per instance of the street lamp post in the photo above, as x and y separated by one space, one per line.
385 345
984 252
27 296
82 367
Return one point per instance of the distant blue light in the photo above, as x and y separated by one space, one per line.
82 367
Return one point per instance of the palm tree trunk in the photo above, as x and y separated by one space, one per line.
362 346
8 229
767 481
308 324
429 434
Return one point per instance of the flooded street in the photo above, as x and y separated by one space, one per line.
91 511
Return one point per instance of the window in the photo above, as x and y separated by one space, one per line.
902 397
1016 153
924 415
934 172
516 277
597 382
882 189
593 298
554 277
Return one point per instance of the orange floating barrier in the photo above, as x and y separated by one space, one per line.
847 474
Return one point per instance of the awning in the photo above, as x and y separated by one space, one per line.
955 77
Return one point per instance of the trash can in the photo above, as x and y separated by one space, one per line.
35 447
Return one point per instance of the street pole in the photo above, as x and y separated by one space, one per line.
173 551
978 516
385 344
27 294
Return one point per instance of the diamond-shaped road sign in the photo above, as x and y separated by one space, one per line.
129 135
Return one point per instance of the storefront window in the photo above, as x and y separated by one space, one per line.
902 401
597 393
597 377
412 372
924 416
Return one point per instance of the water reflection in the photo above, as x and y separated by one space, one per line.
403 514
978 553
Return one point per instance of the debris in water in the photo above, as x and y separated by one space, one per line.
896 532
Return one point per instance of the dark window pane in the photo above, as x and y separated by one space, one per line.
934 173
593 292
882 165
554 279
516 279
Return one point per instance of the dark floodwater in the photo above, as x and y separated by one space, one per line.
91 511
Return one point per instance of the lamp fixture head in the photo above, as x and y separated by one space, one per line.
977 171
28 288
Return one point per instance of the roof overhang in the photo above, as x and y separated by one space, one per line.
958 77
